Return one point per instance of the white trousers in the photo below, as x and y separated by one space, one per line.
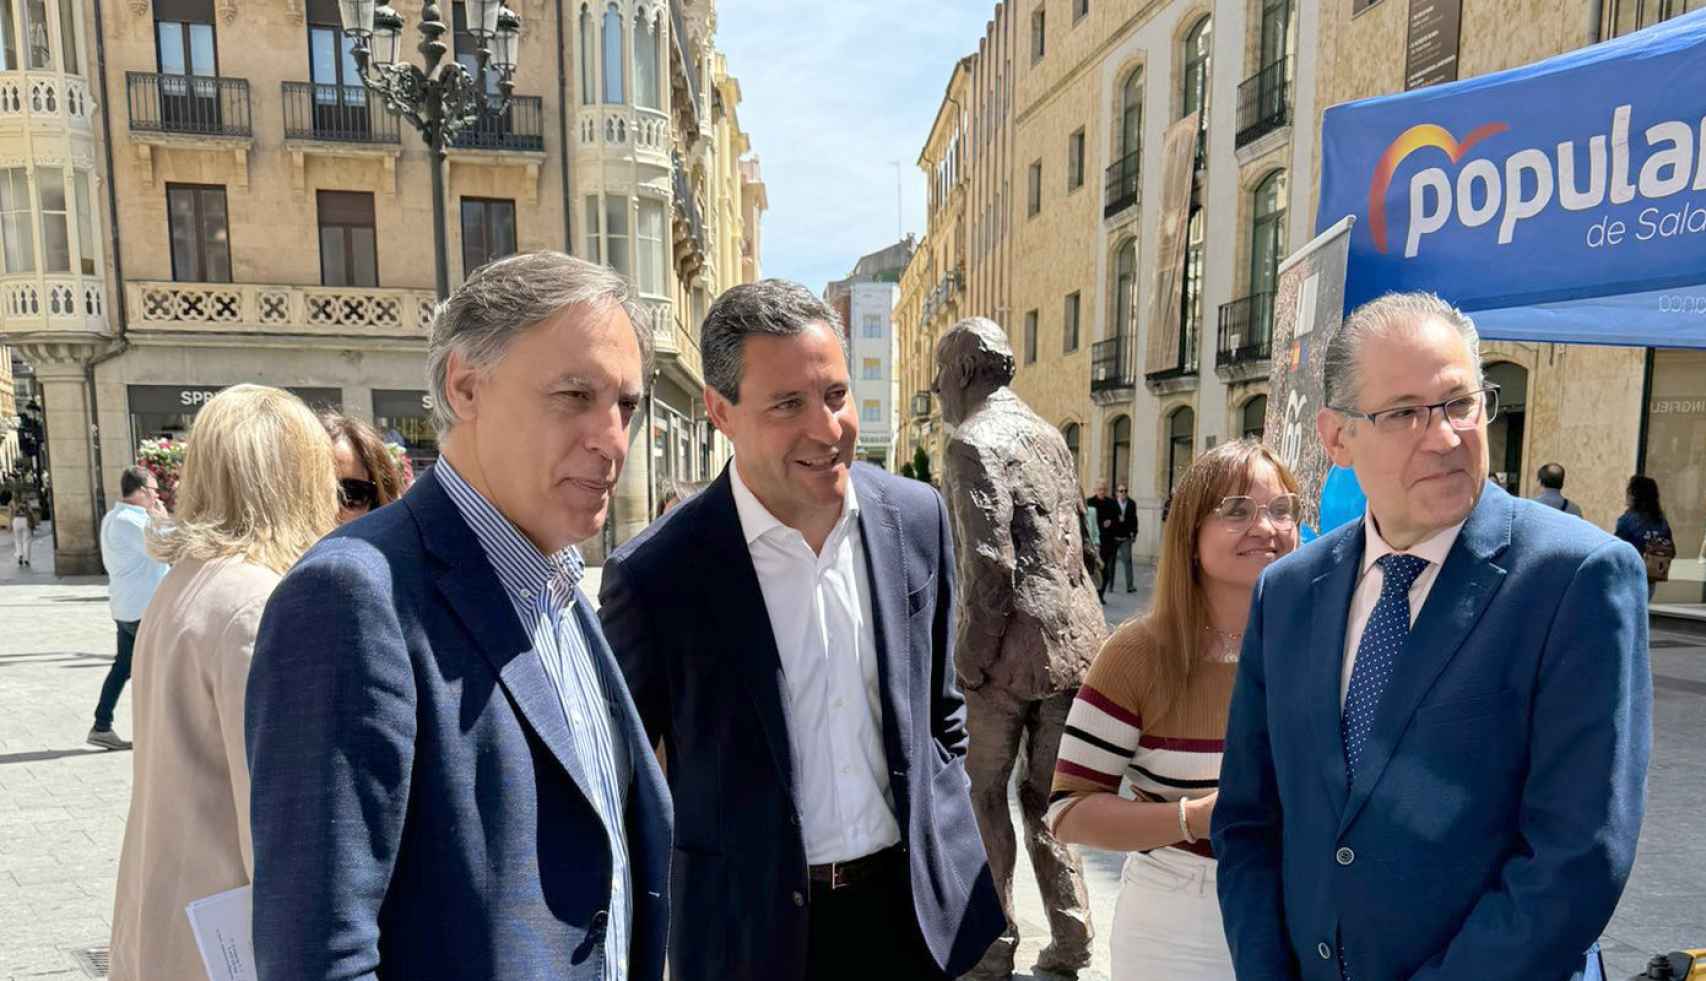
20 539
1167 920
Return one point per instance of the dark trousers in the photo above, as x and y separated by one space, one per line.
117 675
868 929
1110 549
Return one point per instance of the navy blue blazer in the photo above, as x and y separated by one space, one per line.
683 609
1493 821
418 809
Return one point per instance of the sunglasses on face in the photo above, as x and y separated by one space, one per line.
353 493
1240 511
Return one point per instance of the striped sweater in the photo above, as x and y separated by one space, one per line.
1121 738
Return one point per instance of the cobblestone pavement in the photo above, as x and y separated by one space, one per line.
63 804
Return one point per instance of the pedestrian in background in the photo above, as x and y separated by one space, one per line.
258 489
368 475
1105 512
1127 524
1644 526
132 576
1153 713
1551 478
23 522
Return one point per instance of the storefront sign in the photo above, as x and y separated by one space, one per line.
187 400
1430 51
388 403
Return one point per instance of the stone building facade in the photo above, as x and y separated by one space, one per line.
1141 376
185 210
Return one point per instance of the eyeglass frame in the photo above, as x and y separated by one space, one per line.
1489 411
1297 504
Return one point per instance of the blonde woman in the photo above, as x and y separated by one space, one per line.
1141 756
259 487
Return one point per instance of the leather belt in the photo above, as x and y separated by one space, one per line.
840 875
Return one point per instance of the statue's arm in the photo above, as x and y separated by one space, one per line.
983 516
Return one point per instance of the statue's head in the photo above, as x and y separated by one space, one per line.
973 359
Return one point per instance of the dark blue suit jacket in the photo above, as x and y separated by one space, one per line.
683 608
1493 821
418 809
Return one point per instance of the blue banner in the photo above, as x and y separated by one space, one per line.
1561 201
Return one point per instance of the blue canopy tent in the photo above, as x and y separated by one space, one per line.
1561 201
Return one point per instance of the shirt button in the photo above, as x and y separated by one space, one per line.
1345 856
1325 951
799 900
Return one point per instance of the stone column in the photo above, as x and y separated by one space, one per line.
65 400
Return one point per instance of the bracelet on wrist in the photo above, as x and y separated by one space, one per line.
1184 822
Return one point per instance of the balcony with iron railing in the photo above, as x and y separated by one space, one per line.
189 105
520 127
1264 102
1181 376
1113 366
1122 184
1246 337
337 114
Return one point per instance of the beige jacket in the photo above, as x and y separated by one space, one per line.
188 832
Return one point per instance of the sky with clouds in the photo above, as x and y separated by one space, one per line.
833 92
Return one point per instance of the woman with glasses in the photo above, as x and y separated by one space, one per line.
258 488
1141 756
368 475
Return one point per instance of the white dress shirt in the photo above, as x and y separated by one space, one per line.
1434 549
820 613
132 574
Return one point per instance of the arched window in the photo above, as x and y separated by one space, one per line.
1181 431
1131 114
1193 81
647 91
1267 248
589 63
1125 289
1119 451
613 45
1070 432
1255 417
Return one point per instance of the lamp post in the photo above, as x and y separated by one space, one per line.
443 97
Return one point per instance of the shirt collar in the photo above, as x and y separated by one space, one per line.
756 521
526 572
1433 548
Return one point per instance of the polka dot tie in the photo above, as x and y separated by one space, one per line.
1388 626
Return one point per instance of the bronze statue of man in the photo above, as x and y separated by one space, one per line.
1029 622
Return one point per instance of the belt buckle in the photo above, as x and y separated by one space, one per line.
837 875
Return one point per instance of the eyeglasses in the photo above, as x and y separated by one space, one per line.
1461 411
353 493
1240 511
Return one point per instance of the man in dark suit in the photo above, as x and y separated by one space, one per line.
1106 513
449 778
1436 760
1126 510
787 635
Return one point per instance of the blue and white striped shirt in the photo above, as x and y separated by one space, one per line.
543 589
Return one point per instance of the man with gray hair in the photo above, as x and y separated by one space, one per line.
787 634
1028 631
1436 758
449 778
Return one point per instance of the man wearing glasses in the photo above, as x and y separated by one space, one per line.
1437 749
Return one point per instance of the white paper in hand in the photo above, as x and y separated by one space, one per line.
223 929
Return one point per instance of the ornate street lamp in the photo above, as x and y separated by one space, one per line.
443 97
